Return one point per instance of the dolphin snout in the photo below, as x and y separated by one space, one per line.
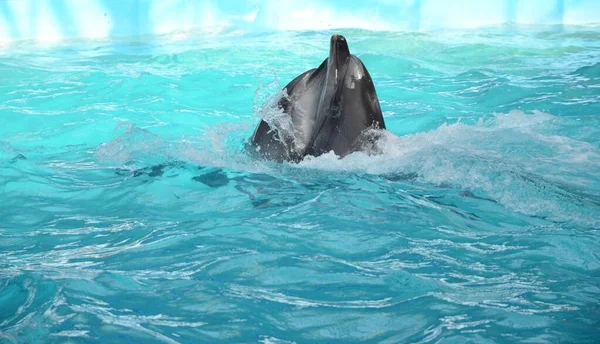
338 42
338 51
338 39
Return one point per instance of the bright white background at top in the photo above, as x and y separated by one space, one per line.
51 20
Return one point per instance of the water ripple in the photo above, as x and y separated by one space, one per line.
132 213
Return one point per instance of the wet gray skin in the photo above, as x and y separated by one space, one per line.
330 107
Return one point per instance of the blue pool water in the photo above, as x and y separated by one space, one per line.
131 213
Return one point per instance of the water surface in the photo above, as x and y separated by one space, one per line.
131 213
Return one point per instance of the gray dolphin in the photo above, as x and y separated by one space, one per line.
330 108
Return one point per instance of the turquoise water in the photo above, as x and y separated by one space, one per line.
131 213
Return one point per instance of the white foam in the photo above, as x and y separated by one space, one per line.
511 158
508 157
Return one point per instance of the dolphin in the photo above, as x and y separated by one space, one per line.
329 108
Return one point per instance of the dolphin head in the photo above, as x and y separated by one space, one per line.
333 73
338 55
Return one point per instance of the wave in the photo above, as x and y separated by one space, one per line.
515 159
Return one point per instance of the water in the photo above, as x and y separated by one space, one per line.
131 213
